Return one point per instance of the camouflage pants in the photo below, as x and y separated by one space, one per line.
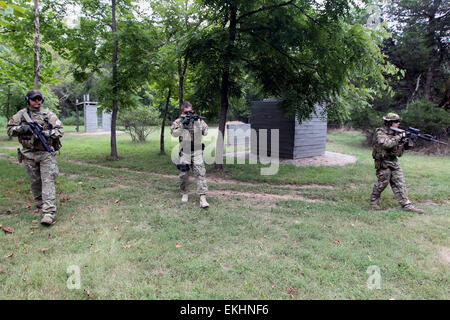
390 173
42 170
196 163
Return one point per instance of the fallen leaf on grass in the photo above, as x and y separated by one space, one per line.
8 212
1 226
127 246
93 188
177 245
116 228
337 241
88 293
49 236
8 230
117 201
31 233
29 206
291 291
62 200
44 250
34 227
10 255
73 217
34 221
36 211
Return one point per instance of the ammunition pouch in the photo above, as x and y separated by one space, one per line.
183 167
56 144
20 156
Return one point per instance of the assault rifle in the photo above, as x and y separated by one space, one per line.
413 134
36 128
190 117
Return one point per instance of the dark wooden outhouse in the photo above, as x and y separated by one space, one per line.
304 140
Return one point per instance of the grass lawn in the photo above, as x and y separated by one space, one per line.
305 233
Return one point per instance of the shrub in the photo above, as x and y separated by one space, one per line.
3 122
425 116
139 122
421 114
72 121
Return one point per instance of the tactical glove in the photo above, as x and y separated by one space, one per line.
46 133
186 121
23 129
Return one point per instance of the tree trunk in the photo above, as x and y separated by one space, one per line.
429 83
8 104
180 82
225 86
114 156
8 107
37 69
413 96
181 73
163 125
78 118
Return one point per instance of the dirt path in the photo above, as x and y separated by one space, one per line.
292 192
211 179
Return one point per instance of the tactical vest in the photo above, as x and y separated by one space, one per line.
192 132
29 141
380 152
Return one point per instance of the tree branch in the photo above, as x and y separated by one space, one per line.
275 6
307 15
292 59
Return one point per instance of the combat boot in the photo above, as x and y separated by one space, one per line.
185 198
203 202
48 219
375 207
412 209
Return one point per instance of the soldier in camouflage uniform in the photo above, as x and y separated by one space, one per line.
387 146
191 153
41 165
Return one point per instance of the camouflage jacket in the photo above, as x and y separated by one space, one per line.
28 141
187 133
387 145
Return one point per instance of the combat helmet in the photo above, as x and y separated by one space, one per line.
392 117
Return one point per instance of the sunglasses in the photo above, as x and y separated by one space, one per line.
396 121
36 98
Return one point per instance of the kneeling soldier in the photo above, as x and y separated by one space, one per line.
386 148
40 163
189 130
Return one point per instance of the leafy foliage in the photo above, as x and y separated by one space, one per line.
139 122
423 115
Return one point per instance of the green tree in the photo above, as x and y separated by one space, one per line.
115 43
302 52
420 46
16 56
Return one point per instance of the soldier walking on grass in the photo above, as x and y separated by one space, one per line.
189 128
38 155
387 146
